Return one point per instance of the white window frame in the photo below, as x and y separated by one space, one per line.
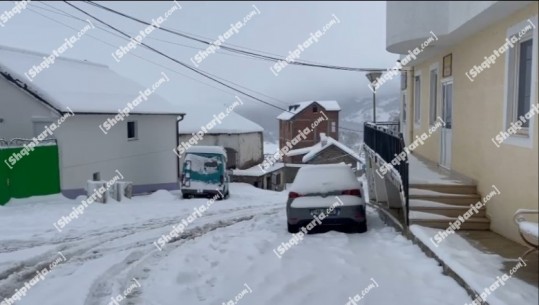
417 100
526 136
333 126
136 130
433 100
404 111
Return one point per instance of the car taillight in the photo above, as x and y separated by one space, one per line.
293 195
355 192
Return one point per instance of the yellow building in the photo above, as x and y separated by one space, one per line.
474 67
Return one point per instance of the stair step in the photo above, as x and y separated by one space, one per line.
442 222
444 209
447 188
449 198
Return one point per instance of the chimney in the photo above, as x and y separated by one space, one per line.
323 139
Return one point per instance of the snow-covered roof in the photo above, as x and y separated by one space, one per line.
233 123
83 86
298 107
256 171
299 151
325 142
201 149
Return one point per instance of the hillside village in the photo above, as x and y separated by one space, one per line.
124 193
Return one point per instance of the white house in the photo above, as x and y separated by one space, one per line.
241 137
140 146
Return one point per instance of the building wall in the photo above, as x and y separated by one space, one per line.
333 154
84 149
289 129
148 161
18 109
478 112
267 181
249 146
298 159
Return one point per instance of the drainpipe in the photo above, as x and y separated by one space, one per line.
178 120
411 105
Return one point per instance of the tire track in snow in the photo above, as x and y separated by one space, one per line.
134 266
9 246
14 277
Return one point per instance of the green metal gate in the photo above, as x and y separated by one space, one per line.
25 172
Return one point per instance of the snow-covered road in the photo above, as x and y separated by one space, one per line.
226 256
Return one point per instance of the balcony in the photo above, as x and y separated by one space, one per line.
409 24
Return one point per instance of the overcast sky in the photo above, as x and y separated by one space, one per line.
358 40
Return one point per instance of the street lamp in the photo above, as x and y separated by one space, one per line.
372 77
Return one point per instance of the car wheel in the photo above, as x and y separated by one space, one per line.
185 196
293 228
361 227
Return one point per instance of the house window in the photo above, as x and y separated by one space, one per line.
521 65
132 132
417 99
333 126
315 109
522 82
521 54
433 96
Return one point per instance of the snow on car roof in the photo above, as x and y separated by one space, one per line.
206 150
324 178
298 107
83 86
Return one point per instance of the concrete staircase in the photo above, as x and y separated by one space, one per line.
437 205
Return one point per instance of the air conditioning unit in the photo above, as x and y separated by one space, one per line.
93 188
124 189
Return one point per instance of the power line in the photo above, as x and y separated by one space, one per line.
215 76
66 14
236 50
140 57
82 20
130 53
198 71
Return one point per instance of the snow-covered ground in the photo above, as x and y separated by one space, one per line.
226 255
480 270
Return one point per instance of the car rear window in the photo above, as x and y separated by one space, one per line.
324 178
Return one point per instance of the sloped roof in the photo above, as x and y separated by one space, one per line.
298 107
233 123
311 152
206 150
83 86
256 171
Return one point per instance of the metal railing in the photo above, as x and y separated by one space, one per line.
387 141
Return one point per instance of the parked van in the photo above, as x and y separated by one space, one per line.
204 173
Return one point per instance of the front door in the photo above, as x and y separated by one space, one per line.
446 131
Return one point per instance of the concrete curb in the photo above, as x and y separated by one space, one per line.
400 227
